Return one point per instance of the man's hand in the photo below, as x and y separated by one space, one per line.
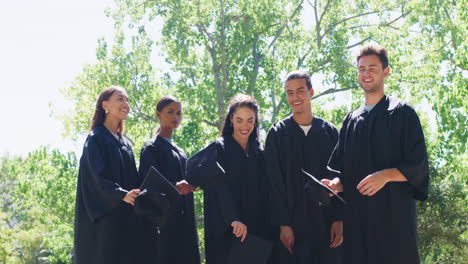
336 234
374 182
239 229
334 184
130 196
184 187
287 237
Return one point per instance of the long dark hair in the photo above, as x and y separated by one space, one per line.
163 102
100 114
241 100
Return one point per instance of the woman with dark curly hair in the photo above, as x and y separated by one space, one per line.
236 206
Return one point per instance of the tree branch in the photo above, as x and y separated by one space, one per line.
318 38
140 113
458 65
333 90
360 26
254 39
203 29
280 31
323 13
210 123
192 77
224 68
358 43
346 19
257 58
396 19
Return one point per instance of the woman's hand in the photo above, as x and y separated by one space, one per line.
239 229
130 196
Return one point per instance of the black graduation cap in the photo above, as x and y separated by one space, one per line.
203 169
319 190
253 250
156 182
156 198
153 205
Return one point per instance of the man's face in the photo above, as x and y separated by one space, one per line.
298 95
371 75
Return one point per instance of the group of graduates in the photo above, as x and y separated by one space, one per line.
377 163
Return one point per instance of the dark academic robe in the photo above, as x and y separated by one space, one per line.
240 197
106 228
178 236
287 151
382 228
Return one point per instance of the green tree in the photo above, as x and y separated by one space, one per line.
38 224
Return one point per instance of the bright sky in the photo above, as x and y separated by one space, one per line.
43 45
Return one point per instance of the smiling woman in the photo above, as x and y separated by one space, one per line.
236 206
111 109
106 227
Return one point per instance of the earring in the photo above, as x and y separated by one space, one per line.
107 111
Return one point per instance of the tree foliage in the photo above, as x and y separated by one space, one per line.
37 224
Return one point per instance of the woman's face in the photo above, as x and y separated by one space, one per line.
170 116
243 123
117 105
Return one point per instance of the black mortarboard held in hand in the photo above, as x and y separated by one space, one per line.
203 169
253 250
156 197
320 190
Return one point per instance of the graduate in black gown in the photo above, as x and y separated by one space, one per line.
106 228
236 207
178 242
310 231
382 158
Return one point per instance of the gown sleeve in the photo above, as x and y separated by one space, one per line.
279 213
335 210
203 169
100 194
414 165
146 158
335 164
225 199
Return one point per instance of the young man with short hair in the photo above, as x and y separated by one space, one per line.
309 230
382 161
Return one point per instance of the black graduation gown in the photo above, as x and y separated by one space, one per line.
287 151
240 197
382 228
178 235
106 228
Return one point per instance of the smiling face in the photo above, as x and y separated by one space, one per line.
298 95
243 123
170 116
371 74
117 106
